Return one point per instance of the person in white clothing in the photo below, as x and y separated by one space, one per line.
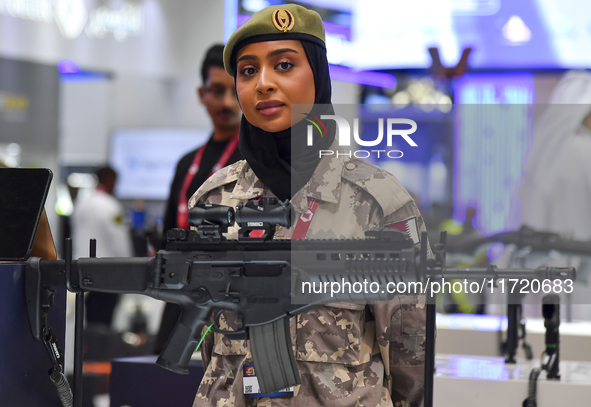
99 215
555 195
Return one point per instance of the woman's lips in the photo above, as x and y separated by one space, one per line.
269 107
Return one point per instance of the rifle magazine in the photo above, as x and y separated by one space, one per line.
273 356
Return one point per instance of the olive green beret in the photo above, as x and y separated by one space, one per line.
288 21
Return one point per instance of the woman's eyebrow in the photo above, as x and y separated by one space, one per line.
247 57
280 51
269 55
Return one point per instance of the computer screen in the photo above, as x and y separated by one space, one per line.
396 34
145 159
22 200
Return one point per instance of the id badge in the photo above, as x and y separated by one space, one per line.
251 386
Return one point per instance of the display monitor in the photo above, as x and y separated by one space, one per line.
396 34
504 34
24 191
145 159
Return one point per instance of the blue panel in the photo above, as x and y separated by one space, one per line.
490 323
492 137
230 18
476 368
524 34
24 381
85 76
139 381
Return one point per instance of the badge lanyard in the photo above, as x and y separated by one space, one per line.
182 219
303 224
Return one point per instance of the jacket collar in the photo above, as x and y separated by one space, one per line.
324 185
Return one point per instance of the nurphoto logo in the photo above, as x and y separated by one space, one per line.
343 135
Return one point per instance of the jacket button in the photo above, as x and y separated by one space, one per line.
350 166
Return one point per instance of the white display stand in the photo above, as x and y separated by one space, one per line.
480 336
467 381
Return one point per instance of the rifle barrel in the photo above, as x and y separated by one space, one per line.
543 273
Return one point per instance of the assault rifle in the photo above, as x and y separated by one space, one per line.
528 237
257 277
533 241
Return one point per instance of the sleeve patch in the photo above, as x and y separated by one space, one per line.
408 226
118 219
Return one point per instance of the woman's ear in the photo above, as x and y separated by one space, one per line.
201 93
236 93
587 121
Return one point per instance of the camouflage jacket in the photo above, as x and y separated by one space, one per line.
347 354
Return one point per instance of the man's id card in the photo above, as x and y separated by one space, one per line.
251 385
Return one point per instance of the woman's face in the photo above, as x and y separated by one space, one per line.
270 77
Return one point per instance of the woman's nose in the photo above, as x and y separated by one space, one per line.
266 81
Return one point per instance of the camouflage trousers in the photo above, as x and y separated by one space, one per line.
347 355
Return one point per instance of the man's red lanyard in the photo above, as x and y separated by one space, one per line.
182 219
303 223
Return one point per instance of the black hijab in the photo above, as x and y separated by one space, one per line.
282 160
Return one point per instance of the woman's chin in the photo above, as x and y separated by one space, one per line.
274 126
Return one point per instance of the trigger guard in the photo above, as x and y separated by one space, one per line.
238 334
233 335
216 320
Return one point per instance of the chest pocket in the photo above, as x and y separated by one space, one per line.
339 334
335 334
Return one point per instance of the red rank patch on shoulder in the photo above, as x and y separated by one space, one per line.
408 226
249 371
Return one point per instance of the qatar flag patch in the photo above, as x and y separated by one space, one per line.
408 226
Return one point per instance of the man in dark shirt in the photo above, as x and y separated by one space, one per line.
218 95
219 98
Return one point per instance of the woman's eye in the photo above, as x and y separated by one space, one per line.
248 71
283 66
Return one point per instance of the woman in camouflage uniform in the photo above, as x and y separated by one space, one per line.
347 354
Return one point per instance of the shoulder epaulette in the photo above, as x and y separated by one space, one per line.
380 184
222 177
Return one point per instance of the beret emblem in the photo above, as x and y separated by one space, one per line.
283 20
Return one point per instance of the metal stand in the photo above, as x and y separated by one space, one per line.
551 313
431 317
78 349
430 354
515 324
512 342
79 321
515 331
